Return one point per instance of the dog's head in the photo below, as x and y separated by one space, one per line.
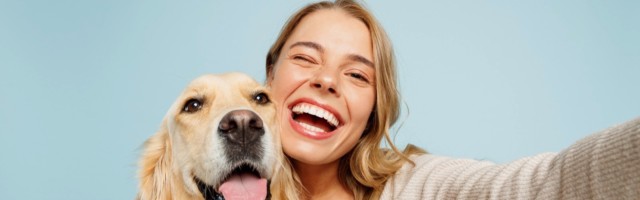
218 137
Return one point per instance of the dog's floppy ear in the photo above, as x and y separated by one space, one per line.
155 175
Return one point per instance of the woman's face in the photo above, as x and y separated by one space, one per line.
324 85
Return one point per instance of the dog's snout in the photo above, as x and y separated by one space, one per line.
241 126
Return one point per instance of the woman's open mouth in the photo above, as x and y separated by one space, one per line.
313 121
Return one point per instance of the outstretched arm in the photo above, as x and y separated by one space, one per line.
605 165
601 166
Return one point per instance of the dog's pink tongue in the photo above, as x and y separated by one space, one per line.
244 186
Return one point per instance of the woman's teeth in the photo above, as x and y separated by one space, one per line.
310 128
315 111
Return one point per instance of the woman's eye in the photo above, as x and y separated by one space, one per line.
303 58
192 105
261 98
359 77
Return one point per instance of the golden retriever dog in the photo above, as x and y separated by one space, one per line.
215 142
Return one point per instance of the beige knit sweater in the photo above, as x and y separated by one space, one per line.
605 165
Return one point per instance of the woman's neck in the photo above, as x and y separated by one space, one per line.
321 181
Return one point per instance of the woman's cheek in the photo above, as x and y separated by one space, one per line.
279 84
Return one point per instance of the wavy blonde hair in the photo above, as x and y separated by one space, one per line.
366 168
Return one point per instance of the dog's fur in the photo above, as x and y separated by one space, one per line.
189 145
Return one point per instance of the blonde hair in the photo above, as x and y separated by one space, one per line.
366 168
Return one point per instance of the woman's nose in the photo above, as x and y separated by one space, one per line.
326 82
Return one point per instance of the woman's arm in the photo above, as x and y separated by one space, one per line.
603 165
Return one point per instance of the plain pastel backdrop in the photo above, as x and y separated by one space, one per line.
84 83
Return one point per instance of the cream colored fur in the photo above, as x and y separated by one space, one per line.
187 144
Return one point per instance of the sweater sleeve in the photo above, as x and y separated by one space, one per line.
604 165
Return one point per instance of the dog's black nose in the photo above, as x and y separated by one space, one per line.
241 126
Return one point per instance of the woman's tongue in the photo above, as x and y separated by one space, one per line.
313 121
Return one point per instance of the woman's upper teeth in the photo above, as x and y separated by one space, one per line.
315 111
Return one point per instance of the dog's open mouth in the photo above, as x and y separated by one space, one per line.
244 182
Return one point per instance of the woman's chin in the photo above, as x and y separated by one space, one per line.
312 160
307 152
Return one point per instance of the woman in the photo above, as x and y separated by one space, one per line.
332 74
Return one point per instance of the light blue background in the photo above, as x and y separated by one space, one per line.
84 83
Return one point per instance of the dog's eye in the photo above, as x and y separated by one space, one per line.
261 98
192 105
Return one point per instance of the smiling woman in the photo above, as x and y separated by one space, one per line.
332 75
322 73
320 81
333 110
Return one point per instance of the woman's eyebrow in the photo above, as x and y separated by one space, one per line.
361 59
312 45
318 47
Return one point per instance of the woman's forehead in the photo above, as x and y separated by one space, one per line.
333 30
